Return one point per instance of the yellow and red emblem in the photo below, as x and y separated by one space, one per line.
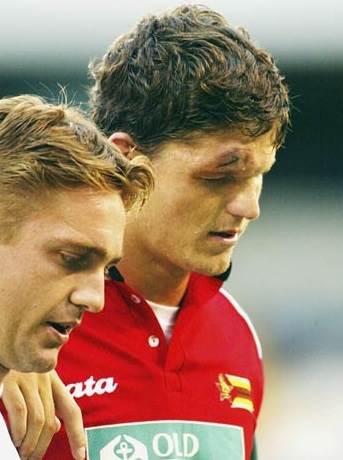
236 390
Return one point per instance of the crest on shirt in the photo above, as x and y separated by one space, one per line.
236 390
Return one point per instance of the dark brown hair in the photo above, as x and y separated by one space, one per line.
186 71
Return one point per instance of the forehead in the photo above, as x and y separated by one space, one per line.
82 216
230 150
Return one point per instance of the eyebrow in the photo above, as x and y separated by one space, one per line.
231 157
86 249
103 255
228 168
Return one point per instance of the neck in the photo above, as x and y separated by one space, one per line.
157 280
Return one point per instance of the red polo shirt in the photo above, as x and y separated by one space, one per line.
197 397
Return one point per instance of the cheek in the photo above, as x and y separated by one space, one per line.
179 210
41 298
164 207
17 317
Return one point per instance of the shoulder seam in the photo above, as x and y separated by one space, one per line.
246 318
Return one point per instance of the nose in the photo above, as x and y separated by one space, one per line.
244 203
89 293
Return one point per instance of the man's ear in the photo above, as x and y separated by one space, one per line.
124 143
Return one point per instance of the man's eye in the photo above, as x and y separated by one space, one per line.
74 261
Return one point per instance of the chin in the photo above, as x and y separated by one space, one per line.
39 364
46 364
214 266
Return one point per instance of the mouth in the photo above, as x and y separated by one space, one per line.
62 328
227 237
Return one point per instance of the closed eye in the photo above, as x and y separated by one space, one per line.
75 262
218 179
79 262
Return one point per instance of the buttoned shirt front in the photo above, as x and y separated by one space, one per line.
197 397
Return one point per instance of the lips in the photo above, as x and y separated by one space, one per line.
63 328
225 237
224 234
227 233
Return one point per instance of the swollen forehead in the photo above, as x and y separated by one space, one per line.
235 151
251 159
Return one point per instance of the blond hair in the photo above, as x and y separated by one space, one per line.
44 147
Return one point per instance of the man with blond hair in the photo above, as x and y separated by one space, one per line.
63 194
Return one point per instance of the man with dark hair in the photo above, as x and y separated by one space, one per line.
180 375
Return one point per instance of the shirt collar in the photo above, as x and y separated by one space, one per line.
200 289
115 274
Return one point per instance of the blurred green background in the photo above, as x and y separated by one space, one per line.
287 269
